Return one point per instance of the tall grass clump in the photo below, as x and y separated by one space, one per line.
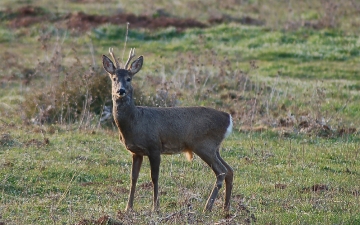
65 92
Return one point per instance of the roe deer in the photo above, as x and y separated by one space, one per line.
150 131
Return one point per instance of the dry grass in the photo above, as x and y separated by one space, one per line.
78 93
296 155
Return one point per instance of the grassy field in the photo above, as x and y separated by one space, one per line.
287 71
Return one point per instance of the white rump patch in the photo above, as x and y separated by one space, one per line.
229 129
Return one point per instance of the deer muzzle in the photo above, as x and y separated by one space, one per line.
119 93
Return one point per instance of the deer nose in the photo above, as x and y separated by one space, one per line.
121 91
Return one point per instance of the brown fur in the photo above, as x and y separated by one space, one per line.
149 131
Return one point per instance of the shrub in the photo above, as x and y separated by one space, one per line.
75 93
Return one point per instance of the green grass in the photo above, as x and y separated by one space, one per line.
84 172
304 54
86 175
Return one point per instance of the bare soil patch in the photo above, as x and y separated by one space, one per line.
29 15
37 143
26 16
80 21
317 188
83 21
101 221
280 186
224 18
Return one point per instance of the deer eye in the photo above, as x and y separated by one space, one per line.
128 79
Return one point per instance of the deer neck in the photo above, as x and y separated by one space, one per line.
124 111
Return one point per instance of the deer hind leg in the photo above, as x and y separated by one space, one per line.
136 165
220 171
155 166
228 182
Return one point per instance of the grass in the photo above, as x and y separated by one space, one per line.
75 172
86 174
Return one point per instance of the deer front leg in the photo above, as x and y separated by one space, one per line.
155 166
136 164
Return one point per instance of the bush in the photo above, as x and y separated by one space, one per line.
68 94
69 100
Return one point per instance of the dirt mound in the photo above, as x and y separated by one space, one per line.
80 21
317 188
224 18
83 21
29 15
101 221
26 16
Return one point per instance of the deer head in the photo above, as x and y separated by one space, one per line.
121 77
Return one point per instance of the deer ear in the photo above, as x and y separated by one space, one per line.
108 65
136 65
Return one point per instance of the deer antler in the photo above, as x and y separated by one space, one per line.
111 51
131 55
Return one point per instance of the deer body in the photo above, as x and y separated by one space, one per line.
150 131
164 128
